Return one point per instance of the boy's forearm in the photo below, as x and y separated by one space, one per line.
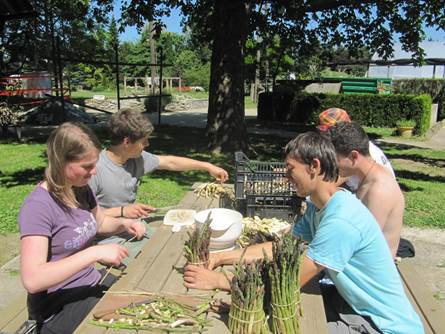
175 163
252 253
224 281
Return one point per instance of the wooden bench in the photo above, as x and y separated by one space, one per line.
429 309
13 316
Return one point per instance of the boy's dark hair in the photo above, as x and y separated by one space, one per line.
313 145
128 123
347 137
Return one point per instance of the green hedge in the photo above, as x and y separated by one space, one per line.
366 109
433 87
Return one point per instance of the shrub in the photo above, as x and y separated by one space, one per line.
367 109
406 123
433 87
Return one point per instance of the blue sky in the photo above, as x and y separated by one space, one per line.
172 22
173 25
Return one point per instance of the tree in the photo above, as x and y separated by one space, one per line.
227 25
74 23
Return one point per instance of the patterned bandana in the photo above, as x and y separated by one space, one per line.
331 117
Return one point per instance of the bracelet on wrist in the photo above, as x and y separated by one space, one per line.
122 211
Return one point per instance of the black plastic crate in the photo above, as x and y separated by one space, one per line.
261 189
260 177
270 206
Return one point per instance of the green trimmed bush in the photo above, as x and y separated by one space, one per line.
433 87
367 109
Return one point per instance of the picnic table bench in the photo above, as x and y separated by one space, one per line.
153 271
429 309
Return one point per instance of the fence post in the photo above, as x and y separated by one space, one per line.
116 53
160 87
60 75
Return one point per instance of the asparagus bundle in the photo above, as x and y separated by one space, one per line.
196 248
246 311
284 281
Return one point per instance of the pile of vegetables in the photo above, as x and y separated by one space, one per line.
256 230
214 190
196 248
276 185
283 273
159 314
246 311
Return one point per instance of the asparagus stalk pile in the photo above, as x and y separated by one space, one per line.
284 281
214 190
196 249
246 311
160 314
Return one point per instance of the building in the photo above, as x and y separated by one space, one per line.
400 66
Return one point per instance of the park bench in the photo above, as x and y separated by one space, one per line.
13 316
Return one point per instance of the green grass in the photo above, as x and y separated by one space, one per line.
22 166
88 94
439 295
379 132
14 272
420 173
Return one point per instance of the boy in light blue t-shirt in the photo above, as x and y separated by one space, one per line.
344 239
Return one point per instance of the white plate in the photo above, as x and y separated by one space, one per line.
179 217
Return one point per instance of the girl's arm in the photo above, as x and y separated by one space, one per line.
112 225
39 275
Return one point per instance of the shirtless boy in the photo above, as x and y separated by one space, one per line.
377 188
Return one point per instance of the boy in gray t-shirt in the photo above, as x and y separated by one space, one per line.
121 165
116 184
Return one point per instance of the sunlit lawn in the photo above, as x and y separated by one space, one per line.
420 173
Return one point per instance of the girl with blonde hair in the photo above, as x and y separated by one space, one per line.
58 222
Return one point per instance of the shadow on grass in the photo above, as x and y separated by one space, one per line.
418 176
407 188
192 142
169 140
27 176
435 162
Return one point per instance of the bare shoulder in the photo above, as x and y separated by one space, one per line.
385 187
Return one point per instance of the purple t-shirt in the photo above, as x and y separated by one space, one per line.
69 230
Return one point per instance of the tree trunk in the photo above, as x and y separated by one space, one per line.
226 127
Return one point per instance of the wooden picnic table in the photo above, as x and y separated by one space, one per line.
154 270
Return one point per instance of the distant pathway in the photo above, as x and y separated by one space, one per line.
435 139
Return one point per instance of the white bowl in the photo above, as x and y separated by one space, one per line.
226 226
